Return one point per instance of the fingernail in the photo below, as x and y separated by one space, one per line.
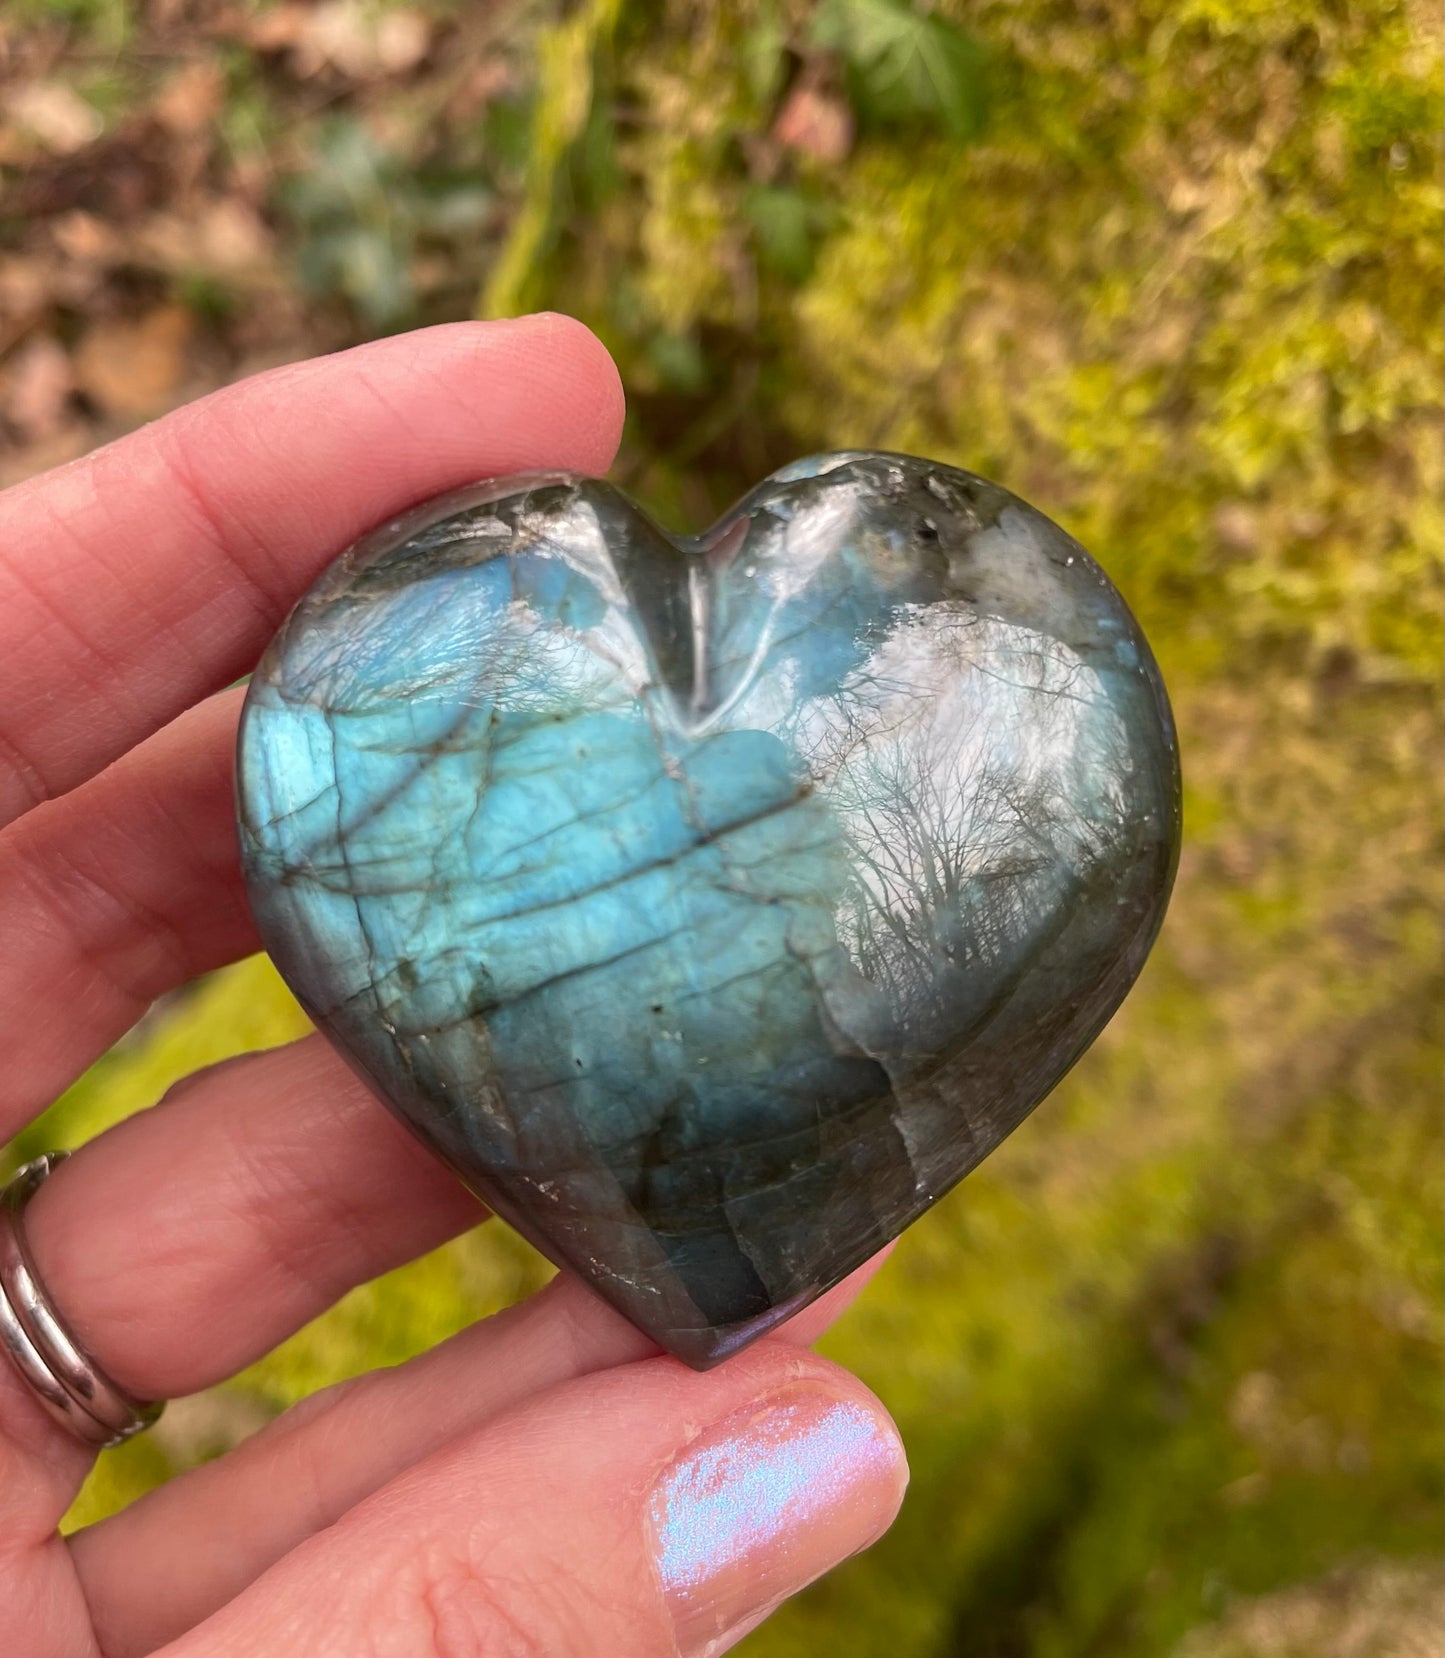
766 1501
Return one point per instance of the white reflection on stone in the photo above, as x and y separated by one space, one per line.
976 769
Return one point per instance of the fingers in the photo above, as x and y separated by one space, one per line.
140 578
643 1510
172 1559
189 1240
114 894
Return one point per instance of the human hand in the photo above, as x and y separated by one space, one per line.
545 1483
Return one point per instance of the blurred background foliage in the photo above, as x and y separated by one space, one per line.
1169 1364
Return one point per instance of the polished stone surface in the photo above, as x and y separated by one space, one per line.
712 905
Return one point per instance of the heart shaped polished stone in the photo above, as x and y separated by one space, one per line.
712 905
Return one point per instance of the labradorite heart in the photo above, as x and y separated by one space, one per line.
712 905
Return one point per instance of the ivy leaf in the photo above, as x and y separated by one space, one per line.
786 225
906 68
353 217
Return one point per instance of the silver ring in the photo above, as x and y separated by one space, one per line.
61 1374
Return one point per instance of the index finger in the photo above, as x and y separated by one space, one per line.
142 577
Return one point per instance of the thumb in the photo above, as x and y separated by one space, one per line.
645 1511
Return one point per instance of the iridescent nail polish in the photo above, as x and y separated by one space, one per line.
765 1502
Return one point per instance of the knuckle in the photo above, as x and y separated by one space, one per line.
474 1601
133 947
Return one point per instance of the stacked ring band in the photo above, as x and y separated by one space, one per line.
61 1374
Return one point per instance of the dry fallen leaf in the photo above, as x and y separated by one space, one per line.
402 41
24 292
276 30
133 368
37 383
190 102
345 36
86 238
223 237
817 123
54 114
